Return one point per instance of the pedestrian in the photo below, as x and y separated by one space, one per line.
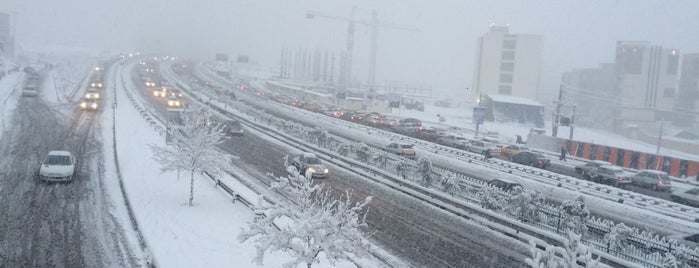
519 139
563 154
487 154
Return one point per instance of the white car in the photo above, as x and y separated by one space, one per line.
57 166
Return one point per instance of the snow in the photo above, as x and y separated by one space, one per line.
203 235
514 99
9 92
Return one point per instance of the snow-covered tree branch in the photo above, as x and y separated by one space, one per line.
194 146
319 224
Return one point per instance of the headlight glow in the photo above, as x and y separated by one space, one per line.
83 105
312 170
325 171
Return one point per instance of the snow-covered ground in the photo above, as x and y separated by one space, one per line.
203 235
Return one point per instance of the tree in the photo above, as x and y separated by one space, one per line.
343 149
424 168
381 159
451 184
320 224
194 147
575 215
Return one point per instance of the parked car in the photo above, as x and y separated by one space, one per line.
405 150
513 149
479 147
506 185
233 128
453 140
309 162
689 197
57 166
584 168
530 158
653 179
611 175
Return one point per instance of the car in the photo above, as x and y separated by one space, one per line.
405 150
411 122
92 93
584 168
308 162
454 140
653 179
689 197
89 104
162 92
149 83
96 84
57 166
173 102
479 147
175 93
233 128
512 149
612 175
530 158
506 185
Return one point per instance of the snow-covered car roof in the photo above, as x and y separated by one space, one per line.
59 153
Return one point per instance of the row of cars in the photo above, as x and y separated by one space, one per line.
90 101
160 89
604 172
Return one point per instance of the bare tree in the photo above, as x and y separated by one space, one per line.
194 147
320 224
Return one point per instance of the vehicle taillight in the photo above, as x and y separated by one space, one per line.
620 179
660 182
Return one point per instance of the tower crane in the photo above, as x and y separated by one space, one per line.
374 23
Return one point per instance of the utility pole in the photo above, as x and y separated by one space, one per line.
660 136
557 114
572 124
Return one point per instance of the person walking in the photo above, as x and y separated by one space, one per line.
563 154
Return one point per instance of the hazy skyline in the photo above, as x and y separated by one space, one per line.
575 34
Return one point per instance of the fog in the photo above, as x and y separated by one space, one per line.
575 33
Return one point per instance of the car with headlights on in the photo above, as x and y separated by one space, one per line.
92 93
308 162
173 102
89 104
57 166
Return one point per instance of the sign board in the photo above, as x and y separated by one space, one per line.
478 115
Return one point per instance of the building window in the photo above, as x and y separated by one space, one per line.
631 59
505 78
669 92
673 61
507 66
508 55
509 44
505 89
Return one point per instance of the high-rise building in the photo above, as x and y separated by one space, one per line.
507 64
688 96
7 42
646 82
592 92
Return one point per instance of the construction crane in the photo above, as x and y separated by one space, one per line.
374 24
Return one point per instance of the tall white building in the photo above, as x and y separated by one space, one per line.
507 64
646 82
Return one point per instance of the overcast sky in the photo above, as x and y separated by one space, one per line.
576 33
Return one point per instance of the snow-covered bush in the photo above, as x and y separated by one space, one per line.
572 254
363 154
321 224
492 198
424 169
404 169
525 204
618 237
343 149
451 183
381 159
574 215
